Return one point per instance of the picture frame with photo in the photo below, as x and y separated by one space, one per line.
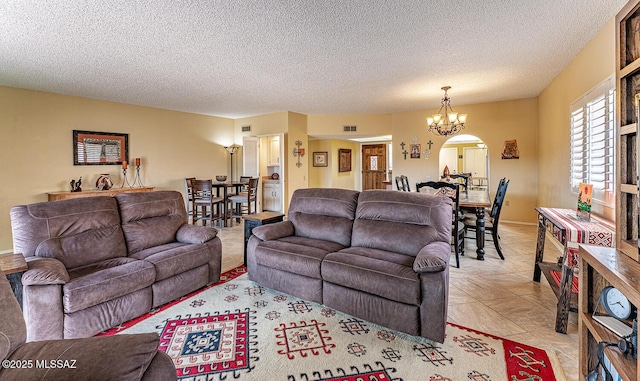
320 159
100 148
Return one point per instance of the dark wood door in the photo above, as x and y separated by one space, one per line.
374 166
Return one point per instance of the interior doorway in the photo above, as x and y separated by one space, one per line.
466 154
374 166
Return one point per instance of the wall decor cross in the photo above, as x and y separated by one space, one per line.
405 152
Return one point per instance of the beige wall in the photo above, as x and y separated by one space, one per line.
329 176
332 125
493 123
591 66
296 177
37 156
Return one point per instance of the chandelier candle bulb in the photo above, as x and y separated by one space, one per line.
137 161
124 164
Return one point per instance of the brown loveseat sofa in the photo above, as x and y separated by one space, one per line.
118 357
96 262
382 256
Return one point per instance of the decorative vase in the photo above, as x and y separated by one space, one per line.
104 182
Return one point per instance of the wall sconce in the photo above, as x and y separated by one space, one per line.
298 152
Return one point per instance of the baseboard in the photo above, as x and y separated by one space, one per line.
6 252
518 222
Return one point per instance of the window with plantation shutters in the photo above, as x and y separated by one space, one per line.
592 142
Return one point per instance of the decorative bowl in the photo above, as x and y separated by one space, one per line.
221 178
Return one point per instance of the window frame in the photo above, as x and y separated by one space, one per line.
592 145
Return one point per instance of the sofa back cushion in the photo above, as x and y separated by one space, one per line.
150 218
324 213
77 232
401 222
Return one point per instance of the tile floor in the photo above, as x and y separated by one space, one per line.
494 296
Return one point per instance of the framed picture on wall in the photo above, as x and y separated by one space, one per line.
320 159
99 148
344 159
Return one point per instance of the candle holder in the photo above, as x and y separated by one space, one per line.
125 179
138 180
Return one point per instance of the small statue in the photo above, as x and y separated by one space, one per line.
76 186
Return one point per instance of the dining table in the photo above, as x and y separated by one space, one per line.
222 190
477 201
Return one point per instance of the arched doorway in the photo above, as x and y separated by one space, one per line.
466 154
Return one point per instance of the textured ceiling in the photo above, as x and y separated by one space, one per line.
242 58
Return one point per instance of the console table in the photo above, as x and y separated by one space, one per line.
55 196
258 219
13 266
570 232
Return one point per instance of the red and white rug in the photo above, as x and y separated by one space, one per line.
241 330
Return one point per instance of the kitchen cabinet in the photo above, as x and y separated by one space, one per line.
272 197
273 150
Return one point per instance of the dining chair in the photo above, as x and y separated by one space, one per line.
188 195
491 222
205 206
451 190
241 203
462 178
399 183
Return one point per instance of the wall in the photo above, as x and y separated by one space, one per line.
332 125
37 155
329 176
591 66
296 177
493 123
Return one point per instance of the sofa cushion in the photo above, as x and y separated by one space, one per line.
297 255
401 222
378 272
150 218
105 280
324 214
77 232
175 258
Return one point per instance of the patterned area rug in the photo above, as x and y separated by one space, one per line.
239 329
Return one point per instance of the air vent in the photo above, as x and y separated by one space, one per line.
350 128
246 128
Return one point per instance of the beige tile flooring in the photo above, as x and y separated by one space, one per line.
494 296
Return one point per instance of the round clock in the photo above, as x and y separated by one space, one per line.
616 304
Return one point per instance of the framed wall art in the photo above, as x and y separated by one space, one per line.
510 150
344 160
320 159
99 148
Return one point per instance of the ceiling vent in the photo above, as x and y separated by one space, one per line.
246 128
350 128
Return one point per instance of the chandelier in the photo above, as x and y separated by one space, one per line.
448 122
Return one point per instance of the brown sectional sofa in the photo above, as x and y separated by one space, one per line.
379 255
96 262
117 357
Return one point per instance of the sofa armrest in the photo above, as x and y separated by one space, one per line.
195 234
118 357
432 258
44 271
274 231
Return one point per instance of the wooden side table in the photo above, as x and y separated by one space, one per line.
258 219
13 266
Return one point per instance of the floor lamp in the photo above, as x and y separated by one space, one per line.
231 149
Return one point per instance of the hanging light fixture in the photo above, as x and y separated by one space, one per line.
446 122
